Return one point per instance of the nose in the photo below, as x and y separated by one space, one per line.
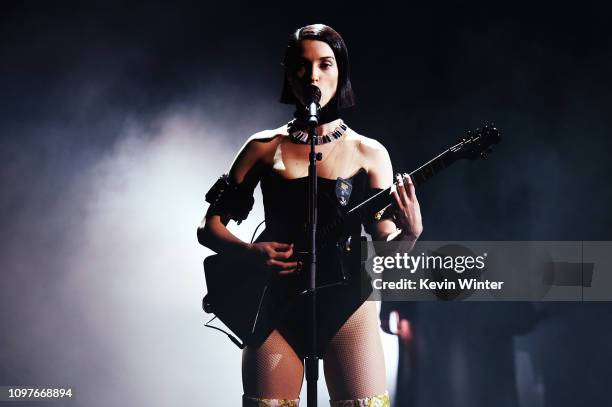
314 75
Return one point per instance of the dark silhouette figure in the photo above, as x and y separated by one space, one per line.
459 353
572 354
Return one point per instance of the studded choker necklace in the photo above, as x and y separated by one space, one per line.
300 136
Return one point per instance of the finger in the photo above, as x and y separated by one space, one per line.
283 254
282 265
282 246
276 249
409 186
397 200
401 190
286 272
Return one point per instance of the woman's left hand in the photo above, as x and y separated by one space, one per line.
406 208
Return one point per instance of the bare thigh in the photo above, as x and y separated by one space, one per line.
273 370
354 363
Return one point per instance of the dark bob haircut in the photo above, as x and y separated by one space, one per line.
344 93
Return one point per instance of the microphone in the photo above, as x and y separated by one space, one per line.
312 96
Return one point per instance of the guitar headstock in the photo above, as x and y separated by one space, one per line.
477 143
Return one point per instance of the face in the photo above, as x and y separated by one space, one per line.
316 66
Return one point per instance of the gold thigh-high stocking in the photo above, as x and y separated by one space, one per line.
381 400
257 402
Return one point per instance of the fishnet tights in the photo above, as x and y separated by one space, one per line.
353 364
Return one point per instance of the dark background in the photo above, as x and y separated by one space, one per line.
422 76
73 74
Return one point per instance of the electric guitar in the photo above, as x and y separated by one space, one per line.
250 300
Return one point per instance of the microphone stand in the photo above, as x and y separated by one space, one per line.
312 360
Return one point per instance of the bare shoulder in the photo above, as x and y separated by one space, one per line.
371 150
264 141
270 136
257 149
375 159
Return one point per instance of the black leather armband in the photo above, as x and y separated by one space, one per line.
226 198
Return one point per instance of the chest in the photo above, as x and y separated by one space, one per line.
340 158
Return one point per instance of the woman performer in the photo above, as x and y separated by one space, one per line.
353 168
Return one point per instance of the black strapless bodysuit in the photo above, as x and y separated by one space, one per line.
285 206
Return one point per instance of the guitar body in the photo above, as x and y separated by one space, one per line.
251 300
247 299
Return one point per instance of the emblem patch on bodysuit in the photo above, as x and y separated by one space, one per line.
343 190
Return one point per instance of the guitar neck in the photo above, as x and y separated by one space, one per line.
475 145
366 210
